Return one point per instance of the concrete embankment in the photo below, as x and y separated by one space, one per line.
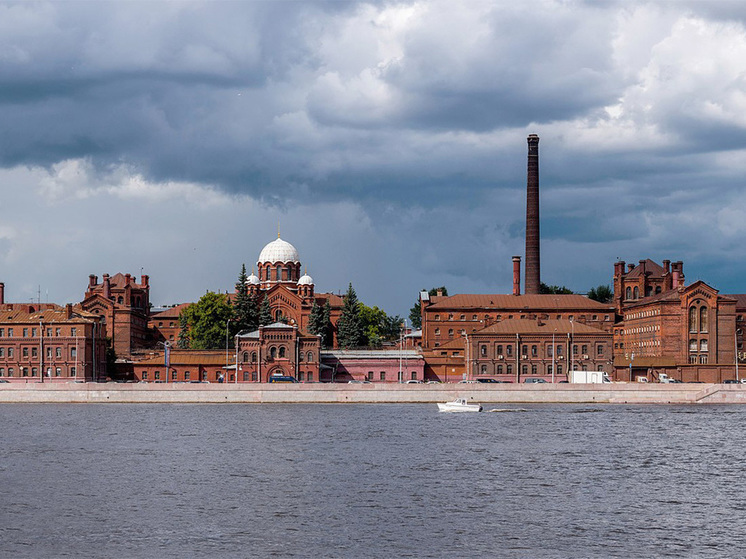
617 393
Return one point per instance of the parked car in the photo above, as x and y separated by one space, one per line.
414 381
534 380
3 381
281 378
486 380
353 381
467 382
731 381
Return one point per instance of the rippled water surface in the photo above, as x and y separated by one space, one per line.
130 481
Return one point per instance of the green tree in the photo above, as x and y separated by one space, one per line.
378 326
184 340
415 313
545 289
206 321
349 326
602 294
326 337
317 324
245 308
265 313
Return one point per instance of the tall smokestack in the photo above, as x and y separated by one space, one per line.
533 265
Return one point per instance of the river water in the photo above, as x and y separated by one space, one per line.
161 481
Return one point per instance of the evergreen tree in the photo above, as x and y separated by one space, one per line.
350 327
545 289
265 313
316 323
245 309
415 313
326 337
184 340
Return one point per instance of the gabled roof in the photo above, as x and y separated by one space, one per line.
172 312
47 316
547 327
740 300
651 269
533 303
190 357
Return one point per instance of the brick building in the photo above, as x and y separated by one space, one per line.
124 306
64 344
185 365
692 333
375 366
277 349
164 324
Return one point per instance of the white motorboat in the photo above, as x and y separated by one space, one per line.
459 405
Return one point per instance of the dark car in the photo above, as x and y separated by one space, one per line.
731 381
533 380
486 380
281 378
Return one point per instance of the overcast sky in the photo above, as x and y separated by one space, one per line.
387 139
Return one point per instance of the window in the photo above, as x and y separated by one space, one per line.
510 369
282 352
273 352
301 376
253 356
24 351
2 332
574 349
533 369
246 376
703 359
382 375
414 375
34 371
450 332
10 332
462 317
309 357
174 375
25 332
635 293
450 317
244 357
300 357
559 369
73 352
157 375
483 369
509 350
525 350
57 372
2 372
692 320
483 350
437 317
24 371
2 352
524 368
309 376
10 371
550 351
559 350
702 345
58 352
73 371
549 369
10 352
500 349
370 375
584 349
628 293
499 369
57 332
599 350
187 375
437 331
703 319
34 352
692 345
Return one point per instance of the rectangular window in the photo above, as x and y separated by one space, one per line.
34 352
73 331
2 332
25 352
550 353
559 369
73 371
2 372
2 352
157 375
174 375
57 372
414 375
25 332
499 369
510 369
49 332
34 371
525 369
10 332
559 350
145 375
382 375
10 371
309 376
370 375
246 376
33 332
73 352
10 352
599 350
533 369
58 352
187 374
24 371
57 332
49 352
525 350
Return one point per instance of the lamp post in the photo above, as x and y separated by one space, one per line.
631 358
735 335
466 356
554 358
572 345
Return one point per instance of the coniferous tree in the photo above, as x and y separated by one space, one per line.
245 309
316 324
326 336
350 327
184 339
265 313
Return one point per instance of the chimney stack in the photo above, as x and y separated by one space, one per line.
533 280
516 275
2 293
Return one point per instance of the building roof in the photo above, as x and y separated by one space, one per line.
651 268
532 303
213 358
51 313
546 327
278 251
171 312
371 354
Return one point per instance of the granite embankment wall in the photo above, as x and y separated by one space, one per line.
617 393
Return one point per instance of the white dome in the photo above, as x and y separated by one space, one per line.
252 280
278 251
305 279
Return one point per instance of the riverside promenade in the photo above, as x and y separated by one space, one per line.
179 393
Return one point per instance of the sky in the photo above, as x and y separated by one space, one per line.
385 140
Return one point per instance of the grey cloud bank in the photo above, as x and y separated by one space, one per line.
387 138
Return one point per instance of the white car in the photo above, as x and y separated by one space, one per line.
414 381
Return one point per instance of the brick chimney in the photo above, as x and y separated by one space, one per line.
533 265
2 293
516 275
107 286
68 311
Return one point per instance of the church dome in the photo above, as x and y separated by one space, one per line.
305 279
252 280
279 251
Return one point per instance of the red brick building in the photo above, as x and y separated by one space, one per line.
185 365
124 306
59 342
691 333
164 324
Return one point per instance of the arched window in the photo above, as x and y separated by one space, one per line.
120 300
300 357
245 356
253 356
703 319
483 351
437 331
282 352
278 315
692 319
657 290
702 345
628 293
310 356
635 293
273 352
450 332
483 369
289 272
278 277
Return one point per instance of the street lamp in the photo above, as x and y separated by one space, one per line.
631 358
466 356
554 358
735 335
572 345
227 322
